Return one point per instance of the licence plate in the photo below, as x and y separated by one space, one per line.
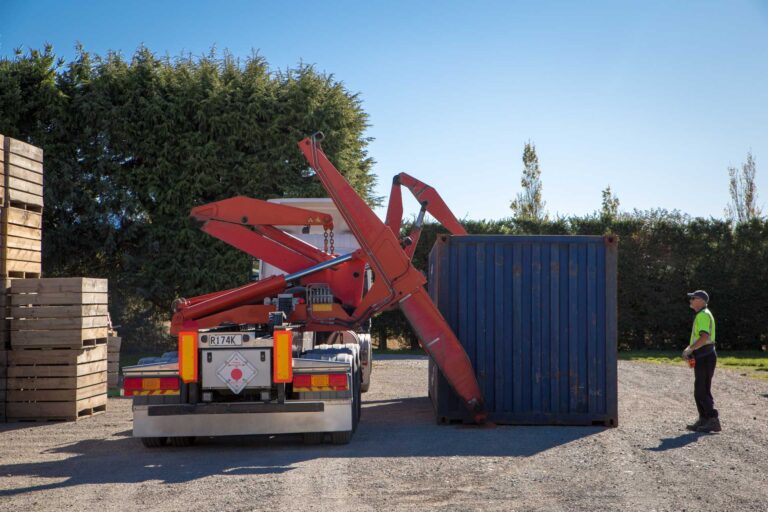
225 340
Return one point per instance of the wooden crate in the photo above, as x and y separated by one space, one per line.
56 384
59 312
21 219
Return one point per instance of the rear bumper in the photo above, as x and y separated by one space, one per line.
232 419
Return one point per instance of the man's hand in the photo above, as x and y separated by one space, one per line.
688 352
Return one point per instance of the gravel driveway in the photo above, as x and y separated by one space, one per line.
400 459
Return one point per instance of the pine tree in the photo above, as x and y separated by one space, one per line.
528 206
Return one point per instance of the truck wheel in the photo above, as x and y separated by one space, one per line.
181 442
314 437
341 437
153 442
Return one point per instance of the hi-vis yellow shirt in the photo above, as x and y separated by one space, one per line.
704 321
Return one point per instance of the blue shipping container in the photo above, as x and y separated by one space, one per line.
537 316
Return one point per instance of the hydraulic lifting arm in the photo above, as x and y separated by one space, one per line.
397 280
430 202
249 225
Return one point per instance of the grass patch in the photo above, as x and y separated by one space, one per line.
752 362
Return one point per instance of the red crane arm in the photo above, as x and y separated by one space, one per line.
397 280
430 202
254 212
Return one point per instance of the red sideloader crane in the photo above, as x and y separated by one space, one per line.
321 292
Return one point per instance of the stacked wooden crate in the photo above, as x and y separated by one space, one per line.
113 359
21 205
22 218
57 366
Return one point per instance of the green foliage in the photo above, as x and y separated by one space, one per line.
131 145
529 206
662 256
743 191
610 205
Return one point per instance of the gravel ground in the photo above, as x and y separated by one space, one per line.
401 460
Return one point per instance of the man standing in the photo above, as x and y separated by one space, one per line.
702 350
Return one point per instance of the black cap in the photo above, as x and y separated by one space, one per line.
700 294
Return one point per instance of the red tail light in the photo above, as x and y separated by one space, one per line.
309 382
131 384
338 381
150 386
302 381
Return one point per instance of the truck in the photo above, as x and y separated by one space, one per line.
290 353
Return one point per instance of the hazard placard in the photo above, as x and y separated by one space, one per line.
237 372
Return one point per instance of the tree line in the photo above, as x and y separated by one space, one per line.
133 143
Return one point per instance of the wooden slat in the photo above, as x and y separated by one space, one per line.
114 343
55 324
57 410
23 218
56 395
2 151
26 150
26 164
59 299
60 285
57 370
23 255
28 244
20 196
51 356
13 183
73 338
59 311
15 230
72 382
21 266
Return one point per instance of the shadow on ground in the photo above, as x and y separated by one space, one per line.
396 428
671 443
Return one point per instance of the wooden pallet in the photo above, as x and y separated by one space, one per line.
56 411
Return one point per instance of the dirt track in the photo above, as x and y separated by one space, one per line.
400 460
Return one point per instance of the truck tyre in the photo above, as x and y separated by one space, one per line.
341 437
313 437
153 442
181 442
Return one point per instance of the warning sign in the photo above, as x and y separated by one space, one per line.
237 372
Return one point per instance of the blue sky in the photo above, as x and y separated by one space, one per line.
655 98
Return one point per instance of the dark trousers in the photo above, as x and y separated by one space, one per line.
702 387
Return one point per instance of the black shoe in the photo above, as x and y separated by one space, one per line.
710 425
693 426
